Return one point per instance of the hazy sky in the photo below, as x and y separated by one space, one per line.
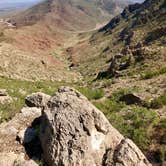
13 1
18 1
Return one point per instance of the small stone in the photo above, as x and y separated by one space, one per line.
3 92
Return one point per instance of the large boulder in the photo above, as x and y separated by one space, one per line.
74 132
126 154
13 134
131 98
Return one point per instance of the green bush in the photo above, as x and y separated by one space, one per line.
7 111
162 154
142 122
159 102
123 91
150 74
108 106
133 122
91 94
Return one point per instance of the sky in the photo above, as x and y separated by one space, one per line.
10 3
137 0
30 1
16 1
5 2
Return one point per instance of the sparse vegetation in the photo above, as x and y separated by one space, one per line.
137 123
91 94
159 101
123 91
18 90
152 73
160 136
139 33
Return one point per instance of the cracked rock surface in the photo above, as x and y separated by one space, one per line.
73 132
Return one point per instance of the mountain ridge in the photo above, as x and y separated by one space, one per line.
71 12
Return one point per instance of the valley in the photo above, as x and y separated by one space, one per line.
112 52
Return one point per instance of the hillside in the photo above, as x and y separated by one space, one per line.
42 30
139 26
120 68
71 14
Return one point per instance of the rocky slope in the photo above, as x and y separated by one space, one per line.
21 65
72 132
138 31
24 35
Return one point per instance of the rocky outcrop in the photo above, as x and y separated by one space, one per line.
14 134
70 132
37 100
128 154
74 132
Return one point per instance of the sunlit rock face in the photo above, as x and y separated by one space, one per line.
74 132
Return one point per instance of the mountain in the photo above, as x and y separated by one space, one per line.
139 25
71 14
41 31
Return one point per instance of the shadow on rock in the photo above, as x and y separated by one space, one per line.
31 142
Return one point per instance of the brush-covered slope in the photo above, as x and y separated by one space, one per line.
71 14
45 28
139 30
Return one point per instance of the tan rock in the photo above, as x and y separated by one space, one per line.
37 99
74 132
12 159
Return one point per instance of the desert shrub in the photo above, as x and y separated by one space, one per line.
162 154
152 73
108 106
7 111
91 94
123 91
159 101
133 122
141 124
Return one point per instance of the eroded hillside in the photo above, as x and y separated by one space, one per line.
120 68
